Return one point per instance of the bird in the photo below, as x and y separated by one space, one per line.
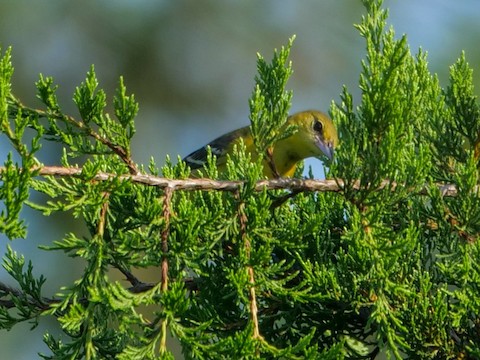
315 135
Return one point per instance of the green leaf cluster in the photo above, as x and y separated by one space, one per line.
270 101
387 264
406 240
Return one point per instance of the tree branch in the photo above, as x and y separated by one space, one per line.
298 185
7 293
82 126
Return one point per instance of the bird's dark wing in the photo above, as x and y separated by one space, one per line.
219 147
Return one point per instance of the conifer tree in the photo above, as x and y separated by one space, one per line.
381 257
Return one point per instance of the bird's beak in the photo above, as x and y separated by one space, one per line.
327 148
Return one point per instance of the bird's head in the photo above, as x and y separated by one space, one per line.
315 134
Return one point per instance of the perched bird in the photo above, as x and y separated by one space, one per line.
315 135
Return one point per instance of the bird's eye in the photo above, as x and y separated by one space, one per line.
317 126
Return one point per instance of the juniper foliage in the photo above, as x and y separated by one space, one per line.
327 275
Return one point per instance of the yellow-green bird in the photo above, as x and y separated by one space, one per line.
315 135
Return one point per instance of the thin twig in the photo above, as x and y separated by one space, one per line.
6 290
164 281
282 199
164 236
117 149
271 163
132 279
250 272
102 221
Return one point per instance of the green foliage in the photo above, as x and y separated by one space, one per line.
29 292
15 177
387 264
270 100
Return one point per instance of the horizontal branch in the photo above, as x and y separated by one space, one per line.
8 294
297 185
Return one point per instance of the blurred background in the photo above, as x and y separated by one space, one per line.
191 65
